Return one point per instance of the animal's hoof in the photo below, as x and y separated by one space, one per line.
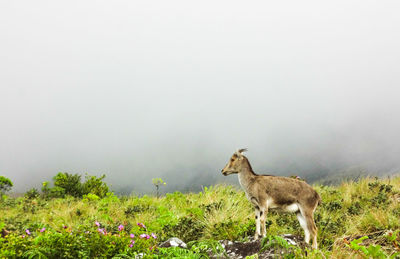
257 236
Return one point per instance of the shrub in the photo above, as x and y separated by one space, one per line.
5 184
32 194
70 184
95 185
90 197
189 229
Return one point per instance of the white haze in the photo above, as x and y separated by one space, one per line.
143 89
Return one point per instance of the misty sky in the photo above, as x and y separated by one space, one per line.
142 89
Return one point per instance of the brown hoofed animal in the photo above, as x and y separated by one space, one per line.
275 192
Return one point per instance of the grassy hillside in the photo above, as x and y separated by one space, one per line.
91 227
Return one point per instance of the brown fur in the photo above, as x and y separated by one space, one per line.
282 193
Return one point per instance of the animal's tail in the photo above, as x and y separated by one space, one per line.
319 198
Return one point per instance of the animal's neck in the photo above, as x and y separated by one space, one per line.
246 175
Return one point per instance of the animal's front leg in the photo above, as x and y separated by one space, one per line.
257 234
263 216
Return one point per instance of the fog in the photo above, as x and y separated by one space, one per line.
144 89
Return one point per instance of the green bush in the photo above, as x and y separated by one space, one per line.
90 197
32 194
95 185
187 229
70 184
5 184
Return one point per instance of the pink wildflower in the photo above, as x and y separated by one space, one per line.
101 231
144 236
42 230
154 235
141 225
28 232
97 223
120 227
132 235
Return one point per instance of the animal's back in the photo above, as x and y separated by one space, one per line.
286 191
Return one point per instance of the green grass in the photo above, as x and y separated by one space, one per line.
369 207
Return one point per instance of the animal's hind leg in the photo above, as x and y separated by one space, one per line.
304 225
313 230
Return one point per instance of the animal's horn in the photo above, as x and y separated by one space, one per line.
240 151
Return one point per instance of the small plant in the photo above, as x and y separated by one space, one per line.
371 251
274 242
280 246
205 246
334 206
187 228
90 197
130 211
157 182
177 252
355 208
394 238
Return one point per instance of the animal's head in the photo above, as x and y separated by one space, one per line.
235 163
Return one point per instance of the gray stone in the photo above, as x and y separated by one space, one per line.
291 241
174 242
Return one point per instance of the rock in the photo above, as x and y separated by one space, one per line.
250 247
174 242
291 241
